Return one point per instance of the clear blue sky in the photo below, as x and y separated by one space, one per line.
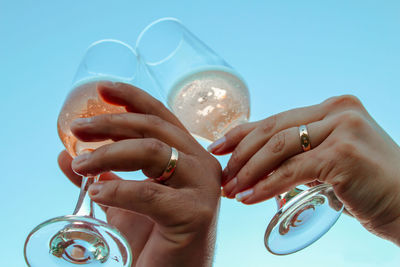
291 53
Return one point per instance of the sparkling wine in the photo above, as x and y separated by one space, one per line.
82 102
210 102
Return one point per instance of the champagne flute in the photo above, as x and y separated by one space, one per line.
210 98
80 238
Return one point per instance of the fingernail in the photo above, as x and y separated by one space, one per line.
82 121
217 144
243 195
269 174
94 189
80 159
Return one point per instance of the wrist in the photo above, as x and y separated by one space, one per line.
388 224
391 231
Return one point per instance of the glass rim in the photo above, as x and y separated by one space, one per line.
151 25
110 40
105 75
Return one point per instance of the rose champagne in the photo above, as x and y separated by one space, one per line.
82 102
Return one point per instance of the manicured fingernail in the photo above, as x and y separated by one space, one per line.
94 189
80 159
243 195
82 120
217 144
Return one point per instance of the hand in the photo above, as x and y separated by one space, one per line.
350 152
170 224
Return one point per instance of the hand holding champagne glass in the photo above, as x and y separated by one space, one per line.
80 238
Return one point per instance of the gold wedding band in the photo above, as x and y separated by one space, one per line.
169 170
304 138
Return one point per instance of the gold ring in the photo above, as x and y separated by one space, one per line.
304 138
169 170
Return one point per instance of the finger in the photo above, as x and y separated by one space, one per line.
136 100
300 169
154 200
132 125
270 126
265 129
149 155
125 155
65 160
135 227
229 141
278 149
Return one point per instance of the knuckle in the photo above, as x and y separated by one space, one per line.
237 131
264 189
344 101
114 191
269 124
326 171
235 160
153 146
287 170
277 142
154 121
245 174
352 119
345 150
236 156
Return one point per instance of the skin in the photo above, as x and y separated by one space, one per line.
170 224
350 151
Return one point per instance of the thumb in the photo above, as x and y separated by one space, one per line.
154 200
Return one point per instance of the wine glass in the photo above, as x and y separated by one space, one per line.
210 98
202 90
80 238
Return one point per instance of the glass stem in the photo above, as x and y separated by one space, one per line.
84 206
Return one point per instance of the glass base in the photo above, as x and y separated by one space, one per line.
76 240
303 219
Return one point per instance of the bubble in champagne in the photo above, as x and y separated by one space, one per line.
209 103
